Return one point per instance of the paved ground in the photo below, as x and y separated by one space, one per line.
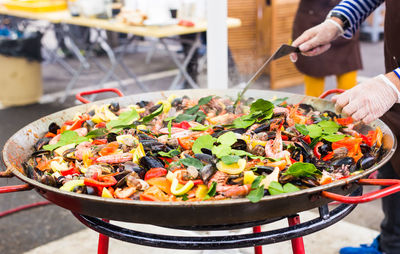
29 229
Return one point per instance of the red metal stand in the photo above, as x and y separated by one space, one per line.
297 243
103 243
257 249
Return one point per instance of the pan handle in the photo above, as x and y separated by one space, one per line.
394 186
14 188
332 91
80 95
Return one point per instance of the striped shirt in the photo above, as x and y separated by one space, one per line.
356 11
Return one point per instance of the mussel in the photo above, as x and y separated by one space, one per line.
240 144
330 114
306 108
142 104
154 146
30 171
262 128
205 158
206 151
114 106
40 143
53 128
40 153
342 162
111 137
154 108
132 167
206 172
48 180
264 170
149 162
366 161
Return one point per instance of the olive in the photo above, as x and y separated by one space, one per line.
111 137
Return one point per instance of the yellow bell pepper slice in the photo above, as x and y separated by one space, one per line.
178 190
138 153
106 193
232 169
248 177
201 191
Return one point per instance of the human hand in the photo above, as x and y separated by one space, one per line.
316 40
367 101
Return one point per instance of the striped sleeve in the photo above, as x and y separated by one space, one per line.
356 11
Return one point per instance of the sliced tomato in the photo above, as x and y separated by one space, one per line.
316 150
155 172
69 171
183 125
107 182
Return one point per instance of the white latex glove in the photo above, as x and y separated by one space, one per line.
367 101
316 40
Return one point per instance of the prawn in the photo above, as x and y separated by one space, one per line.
115 158
274 148
226 190
82 149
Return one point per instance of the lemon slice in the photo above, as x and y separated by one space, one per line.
232 169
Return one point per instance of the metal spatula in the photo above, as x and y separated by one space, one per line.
283 50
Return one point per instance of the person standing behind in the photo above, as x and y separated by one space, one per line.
342 60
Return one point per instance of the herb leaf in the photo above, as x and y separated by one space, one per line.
151 116
275 188
200 127
190 161
125 118
257 191
227 139
230 159
329 127
221 150
204 141
170 154
334 137
279 101
314 130
97 133
66 138
205 100
211 191
184 117
302 129
302 169
288 188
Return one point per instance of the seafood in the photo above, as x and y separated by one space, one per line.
183 149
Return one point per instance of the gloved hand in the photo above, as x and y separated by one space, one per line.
316 40
367 101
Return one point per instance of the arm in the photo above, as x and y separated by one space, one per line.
355 12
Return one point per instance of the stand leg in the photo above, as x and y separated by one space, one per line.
102 247
257 249
297 243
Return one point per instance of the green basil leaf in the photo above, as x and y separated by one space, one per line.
66 138
229 138
279 101
125 118
200 127
221 150
243 122
184 117
262 105
275 188
244 153
314 142
170 154
204 141
97 133
302 169
211 191
169 126
288 188
329 127
193 110
205 100
314 130
257 181
256 195
151 116
302 129
200 116
190 161
334 137
184 197
230 159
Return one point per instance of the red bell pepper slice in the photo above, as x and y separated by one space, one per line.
155 172
328 156
107 181
307 139
186 142
101 141
183 125
100 125
316 151
344 121
69 171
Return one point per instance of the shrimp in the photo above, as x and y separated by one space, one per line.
274 148
158 123
115 158
81 149
226 190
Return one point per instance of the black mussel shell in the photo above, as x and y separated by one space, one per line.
325 149
48 180
309 182
286 178
262 128
122 174
143 137
41 142
304 149
30 171
218 128
92 112
67 155
306 108
206 151
366 161
264 170
133 167
142 104
154 108
365 148
114 106
240 144
149 162
205 158
206 172
176 102
154 146
342 161
111 137
91 191
53 128
330 114
40 153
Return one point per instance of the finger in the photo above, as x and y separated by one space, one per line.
293 57
334 98
368 119
359 115
307 35
317 50
342 101
350 108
